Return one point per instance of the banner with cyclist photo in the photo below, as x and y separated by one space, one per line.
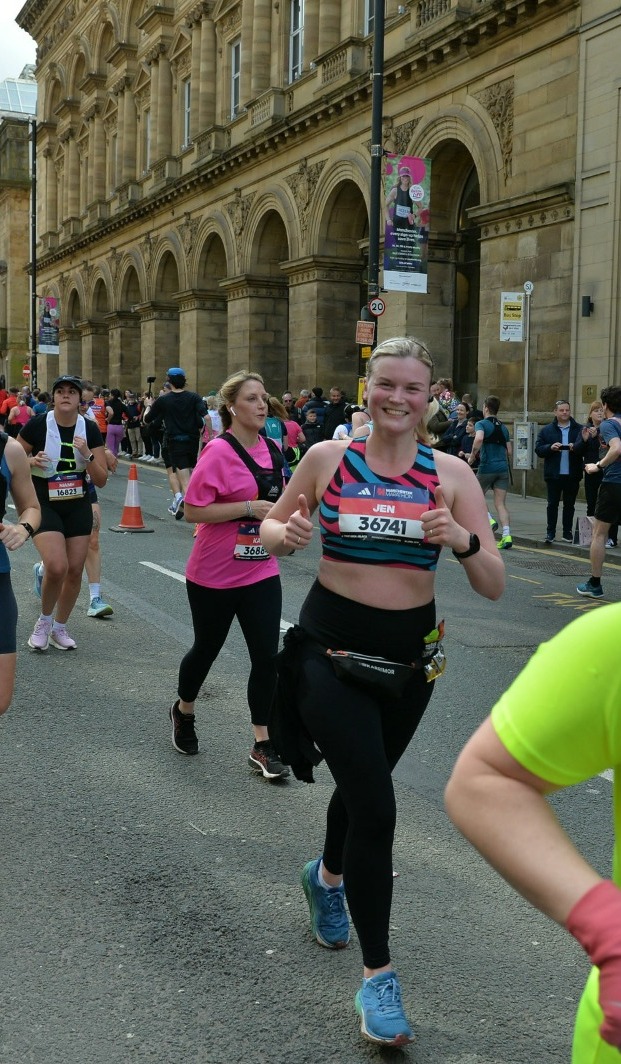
49 326
407 185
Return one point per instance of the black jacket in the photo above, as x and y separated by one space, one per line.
333 417
550 434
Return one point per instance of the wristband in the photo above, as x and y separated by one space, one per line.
249 510
595 921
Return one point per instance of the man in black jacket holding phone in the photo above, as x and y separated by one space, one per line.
560 444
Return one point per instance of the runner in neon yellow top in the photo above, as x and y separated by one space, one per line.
558 724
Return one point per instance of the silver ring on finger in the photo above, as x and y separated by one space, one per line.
299 541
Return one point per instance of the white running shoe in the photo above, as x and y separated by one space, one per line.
40 638
60 638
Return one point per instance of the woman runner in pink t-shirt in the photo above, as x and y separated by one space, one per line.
229 574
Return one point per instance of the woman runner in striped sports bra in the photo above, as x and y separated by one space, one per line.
387 505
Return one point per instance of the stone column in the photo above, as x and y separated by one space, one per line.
321 342
311 31
207 77
329 25
123 354
164 110
98 159
129 146
94 338
154 107
261 47
203 335
50 222
246 53
258 313
159 338
72 178
195 79
70 357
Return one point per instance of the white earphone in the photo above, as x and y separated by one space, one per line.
233 412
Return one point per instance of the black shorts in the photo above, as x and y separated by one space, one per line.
71 519
183 452
167 460
608 505
8 612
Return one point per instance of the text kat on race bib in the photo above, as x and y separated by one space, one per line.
248 546
382 511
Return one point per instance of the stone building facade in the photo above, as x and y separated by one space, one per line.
14 248
204 176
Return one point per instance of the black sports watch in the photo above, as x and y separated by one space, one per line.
28 527
473 548
91 458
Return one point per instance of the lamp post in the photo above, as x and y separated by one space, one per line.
377 151
33 255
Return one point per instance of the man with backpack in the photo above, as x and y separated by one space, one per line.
491 438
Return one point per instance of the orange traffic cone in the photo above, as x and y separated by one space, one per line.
131 518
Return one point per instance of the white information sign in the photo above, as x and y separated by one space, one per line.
512 316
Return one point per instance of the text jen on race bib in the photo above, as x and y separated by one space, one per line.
383 511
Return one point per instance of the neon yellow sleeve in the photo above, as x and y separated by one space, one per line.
561 718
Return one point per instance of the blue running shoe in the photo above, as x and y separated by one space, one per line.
37 571
382 1019
329 922
590 590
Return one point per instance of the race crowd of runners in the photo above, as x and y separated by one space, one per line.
392 481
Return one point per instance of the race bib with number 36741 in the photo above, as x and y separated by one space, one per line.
382 511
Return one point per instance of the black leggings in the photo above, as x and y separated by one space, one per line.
257 608
362 737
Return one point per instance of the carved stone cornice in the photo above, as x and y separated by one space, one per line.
246 285
187 231
497 99
197 13
121 84
155 16
546 207
315 268
303 185
238 211
402 135
200 300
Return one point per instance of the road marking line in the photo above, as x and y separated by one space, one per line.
525 580
284 625
607 774
166 572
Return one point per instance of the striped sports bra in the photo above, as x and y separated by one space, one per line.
373 520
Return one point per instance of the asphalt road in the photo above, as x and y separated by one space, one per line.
151 906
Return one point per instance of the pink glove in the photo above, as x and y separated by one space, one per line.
595 921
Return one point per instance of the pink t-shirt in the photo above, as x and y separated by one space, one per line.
221 476
293 431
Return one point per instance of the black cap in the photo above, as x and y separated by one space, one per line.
68 378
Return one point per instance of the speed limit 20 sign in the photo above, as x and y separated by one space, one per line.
377 306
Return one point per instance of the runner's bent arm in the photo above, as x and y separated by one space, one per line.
24 497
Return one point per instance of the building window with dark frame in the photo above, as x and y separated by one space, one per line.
235 76
296 39
186 113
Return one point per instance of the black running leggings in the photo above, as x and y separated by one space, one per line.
258 609
362 737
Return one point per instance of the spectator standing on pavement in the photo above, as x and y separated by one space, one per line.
115 415
133 410
334 413
594 449
182 413
560 444
608 505
374 596
14 477
491 439
313 431
229 575
318 404
557 725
